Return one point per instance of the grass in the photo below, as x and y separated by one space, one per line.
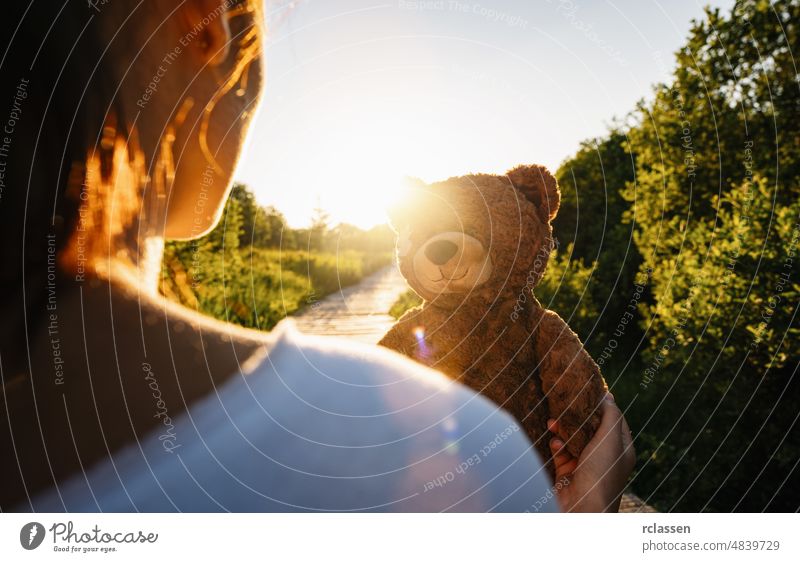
404 302
258 287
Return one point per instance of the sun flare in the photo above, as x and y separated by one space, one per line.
360 182
348 147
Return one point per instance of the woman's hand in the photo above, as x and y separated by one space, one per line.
595 481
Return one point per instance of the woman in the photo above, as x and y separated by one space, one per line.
126 122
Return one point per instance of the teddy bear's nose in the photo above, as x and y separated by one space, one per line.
440 251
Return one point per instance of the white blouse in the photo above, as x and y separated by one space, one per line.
321 424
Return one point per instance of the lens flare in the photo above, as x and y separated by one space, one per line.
422 352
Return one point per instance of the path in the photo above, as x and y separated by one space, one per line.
361 312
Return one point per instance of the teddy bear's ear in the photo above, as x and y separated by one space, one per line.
538 186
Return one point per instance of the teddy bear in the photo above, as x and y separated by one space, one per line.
474 247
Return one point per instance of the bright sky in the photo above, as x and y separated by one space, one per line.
360 92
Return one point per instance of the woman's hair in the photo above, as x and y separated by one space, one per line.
56 89
55 98
72 173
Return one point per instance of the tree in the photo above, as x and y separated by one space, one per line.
320 224
705 178
593 222
716 207
253 270
256 224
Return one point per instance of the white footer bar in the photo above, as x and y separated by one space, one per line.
406 538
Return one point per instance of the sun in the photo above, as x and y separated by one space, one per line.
359 192
364 172
352 156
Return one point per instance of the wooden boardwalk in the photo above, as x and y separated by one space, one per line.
631 503
361 312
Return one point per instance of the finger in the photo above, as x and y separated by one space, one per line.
629 452
611 416
561 457
625 425
607 438
564 466
556 446
566 469
625 430
552 425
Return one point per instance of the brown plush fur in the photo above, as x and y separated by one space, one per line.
496 337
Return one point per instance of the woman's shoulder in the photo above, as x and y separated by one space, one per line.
317 423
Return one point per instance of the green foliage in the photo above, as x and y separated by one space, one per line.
705 179
242 271
592 221
404 302
261 227
678 265
565 289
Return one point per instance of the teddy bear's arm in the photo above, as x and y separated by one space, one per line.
571 381
401 337
397 339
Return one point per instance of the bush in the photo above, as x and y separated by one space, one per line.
710 387
233 274
404 303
